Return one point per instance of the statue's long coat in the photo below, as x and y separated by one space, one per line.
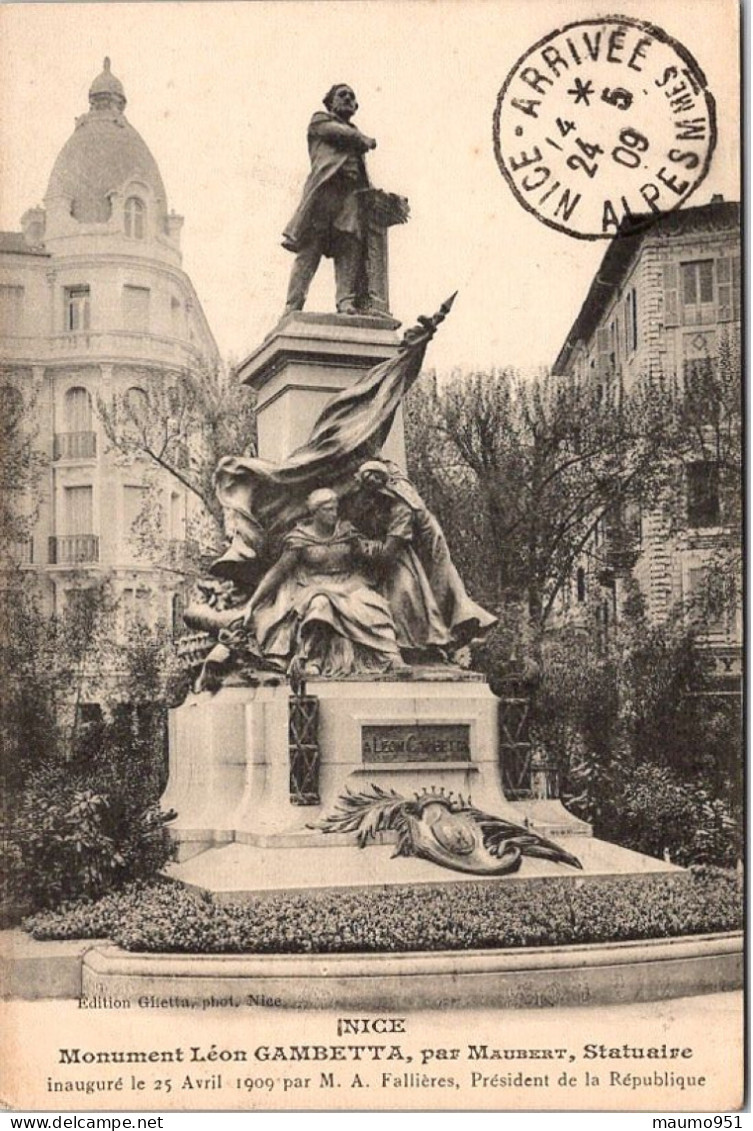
327 159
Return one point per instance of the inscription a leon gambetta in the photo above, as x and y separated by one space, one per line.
601 121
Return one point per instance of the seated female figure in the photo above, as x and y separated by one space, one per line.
315 609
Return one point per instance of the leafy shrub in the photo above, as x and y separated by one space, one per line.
662 815
650 809
647 750
80 795
66 840
543 912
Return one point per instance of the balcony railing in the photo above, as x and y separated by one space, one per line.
87 344
74 549
123 343
17 554
75 445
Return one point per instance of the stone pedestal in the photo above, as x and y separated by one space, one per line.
230 756
303 363
241 831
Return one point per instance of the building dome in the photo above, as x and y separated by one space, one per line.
107 84
103 155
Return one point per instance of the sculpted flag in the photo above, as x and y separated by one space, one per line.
265 499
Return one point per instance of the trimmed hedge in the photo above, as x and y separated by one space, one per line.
167 917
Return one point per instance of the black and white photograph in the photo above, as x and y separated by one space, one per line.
371 557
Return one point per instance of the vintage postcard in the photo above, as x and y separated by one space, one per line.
371 556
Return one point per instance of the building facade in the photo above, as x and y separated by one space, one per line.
93 303
665 304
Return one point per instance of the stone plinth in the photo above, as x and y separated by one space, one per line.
242 830
230 758
241 871
303 363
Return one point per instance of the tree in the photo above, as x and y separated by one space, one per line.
521 472
180 424
21 466
705 461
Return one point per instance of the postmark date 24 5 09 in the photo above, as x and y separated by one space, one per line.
602 121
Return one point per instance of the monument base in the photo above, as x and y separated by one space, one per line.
232 777
238 871
241 827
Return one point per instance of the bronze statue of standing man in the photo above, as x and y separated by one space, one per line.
329 219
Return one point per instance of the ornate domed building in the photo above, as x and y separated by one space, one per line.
93 303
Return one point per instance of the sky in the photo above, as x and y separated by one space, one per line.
222 94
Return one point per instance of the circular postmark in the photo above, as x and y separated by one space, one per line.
602 122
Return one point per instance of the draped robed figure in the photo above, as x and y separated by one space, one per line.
333 595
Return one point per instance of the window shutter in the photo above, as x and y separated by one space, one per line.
736 287
78 510
635 318
724 288
671 305
603 350
627 308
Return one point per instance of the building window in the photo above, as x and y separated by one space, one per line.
603 620
580 584
702 607
136 308
78 410
635 318
135 218
78 510
77 440
176 317
701 392
615 341
82 604
137 401
174 402
698 282
135 413
88 714
697 290
177 609
703 494
77 308
133 505
604 353
11 310
136 606
11 404
77 545
631 322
